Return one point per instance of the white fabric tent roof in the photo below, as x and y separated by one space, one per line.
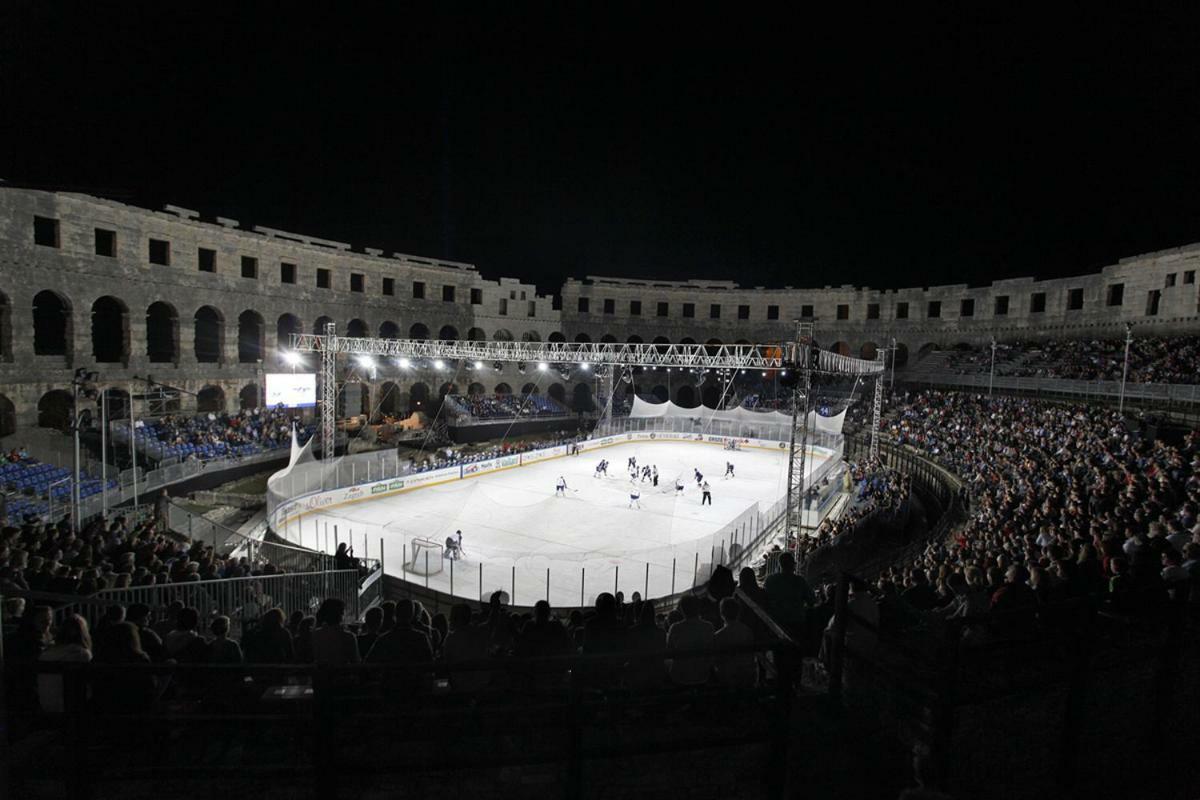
643 409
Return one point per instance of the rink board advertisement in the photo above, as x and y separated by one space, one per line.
299 506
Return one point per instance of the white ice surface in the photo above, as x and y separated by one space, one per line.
590 540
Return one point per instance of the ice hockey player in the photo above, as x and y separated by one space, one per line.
728 469
654 475
560 490
635 495
632 463
678 487
706 499
645 473
699 477
599 469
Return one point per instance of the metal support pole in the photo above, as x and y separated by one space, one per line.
1125 368
513 597
582 582
646 588
672 574
547 584
104 453
695 569
133 447
992 371
329 392
616 579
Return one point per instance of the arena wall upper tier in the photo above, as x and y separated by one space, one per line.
208 304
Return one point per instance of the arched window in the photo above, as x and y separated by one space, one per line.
556 336
209 334
250 337
210 400
54 410
357 329
476 335
8 417
319 325
558 393
685 396
582 338
418 330
418 398
583 398
531 336
503 388
389 330
110 331
162 333
51 323
448 333
249 397
285 326
502 335
868 351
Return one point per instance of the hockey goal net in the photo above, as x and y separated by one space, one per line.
424 557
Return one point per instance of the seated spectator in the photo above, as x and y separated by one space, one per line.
222 649
124 691
270 642
372 622
185 643
691 633
139 615
73 644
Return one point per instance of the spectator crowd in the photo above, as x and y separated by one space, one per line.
506 406
1066 501
1152 359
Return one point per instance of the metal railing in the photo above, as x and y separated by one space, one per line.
243 600
1149 394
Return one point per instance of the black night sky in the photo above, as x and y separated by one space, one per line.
953 145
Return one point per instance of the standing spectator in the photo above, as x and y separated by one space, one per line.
373 620
691 633
790 596
643 638
465 642
738 669
333 645
126 691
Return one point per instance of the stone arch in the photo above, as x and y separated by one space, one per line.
208 328
54 410
448 333
687 340
285 326
558 393
712 346
249 397
319 325
926 349
502 335
51 324
418 330
868 351
900 354
117 401
963 347
389 398
582 338
583 398
662 342
556 336
210 400
660 393
357 329
529 388
251 328
841 348
476 335
503 388
531 336
353 399
447 388
634 339
685 396
710 395
8 416
110 330
475 389
608 338
418 397
389 330
162 333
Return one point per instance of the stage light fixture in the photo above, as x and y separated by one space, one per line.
439 365
542 366
405 363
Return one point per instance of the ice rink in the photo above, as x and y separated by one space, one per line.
520 537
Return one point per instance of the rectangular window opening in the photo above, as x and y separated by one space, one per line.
106 243
45 231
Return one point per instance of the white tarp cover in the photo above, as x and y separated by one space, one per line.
643 409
